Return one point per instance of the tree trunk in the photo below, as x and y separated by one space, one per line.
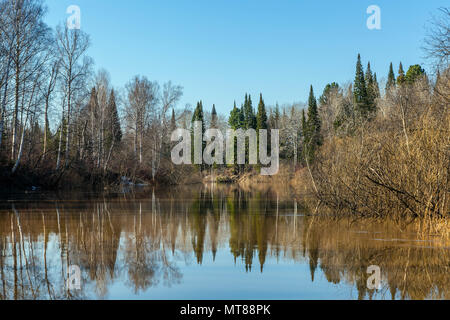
15 115
45 128
66 159
58 160
19 156
3 109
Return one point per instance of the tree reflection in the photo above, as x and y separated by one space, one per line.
145 241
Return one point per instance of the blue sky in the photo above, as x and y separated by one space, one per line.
219 50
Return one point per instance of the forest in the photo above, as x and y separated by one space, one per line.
365 147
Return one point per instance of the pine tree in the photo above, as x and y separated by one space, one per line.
414 73
114 131
360 97
391 78
312 135
261 121
249 115
271 120
376 87
198 116
261 116
236 119
276 117
371 95
401 75
213 117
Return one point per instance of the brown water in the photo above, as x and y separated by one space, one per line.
207 243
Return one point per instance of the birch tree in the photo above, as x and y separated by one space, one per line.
72 45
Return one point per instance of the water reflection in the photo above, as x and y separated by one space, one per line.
140 242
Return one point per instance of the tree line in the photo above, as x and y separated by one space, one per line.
61 121
59 118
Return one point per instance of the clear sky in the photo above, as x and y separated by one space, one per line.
220 49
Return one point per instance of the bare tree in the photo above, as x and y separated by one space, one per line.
437 42
48 88
28 38
6 40
140 110
72 45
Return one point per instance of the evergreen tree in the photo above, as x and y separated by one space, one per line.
330 87
249 115
261 121
114 131
414 73
401 75
391 78
198 116
360 97
271 120
213 117
92 115
312 135
371 95
236 119
261 116
376 87
276 117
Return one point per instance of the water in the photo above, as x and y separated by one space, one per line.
207 243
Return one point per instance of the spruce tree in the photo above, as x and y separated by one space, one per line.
312 136
93 113
235 121
261 116
376 87
261 121
276 117
248 113
391 78
114 131
401 75
213 117
360 97
371 95
198 116
271 121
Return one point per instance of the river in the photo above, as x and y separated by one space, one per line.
204 242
